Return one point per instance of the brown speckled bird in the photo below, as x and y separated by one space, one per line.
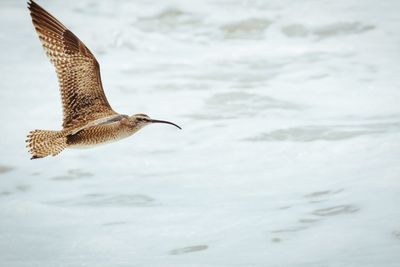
88 118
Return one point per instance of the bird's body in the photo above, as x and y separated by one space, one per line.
88 118
112 130
100 134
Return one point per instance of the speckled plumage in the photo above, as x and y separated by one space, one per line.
88 118
78 71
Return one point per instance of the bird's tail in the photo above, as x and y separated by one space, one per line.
42 143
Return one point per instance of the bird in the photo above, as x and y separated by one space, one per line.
88 119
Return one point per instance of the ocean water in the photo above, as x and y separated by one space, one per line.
289 153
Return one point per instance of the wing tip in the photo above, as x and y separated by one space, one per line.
34 8
31 5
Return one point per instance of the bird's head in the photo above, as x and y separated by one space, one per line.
140 120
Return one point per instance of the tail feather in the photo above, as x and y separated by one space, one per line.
42 143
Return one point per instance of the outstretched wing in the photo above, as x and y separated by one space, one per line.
78 71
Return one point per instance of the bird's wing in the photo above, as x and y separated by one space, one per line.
78 71
101 121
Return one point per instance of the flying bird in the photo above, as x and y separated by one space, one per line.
88 119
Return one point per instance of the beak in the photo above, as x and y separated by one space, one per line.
167 122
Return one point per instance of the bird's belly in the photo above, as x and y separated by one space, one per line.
95 136
86 146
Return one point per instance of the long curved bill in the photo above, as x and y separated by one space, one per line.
167 122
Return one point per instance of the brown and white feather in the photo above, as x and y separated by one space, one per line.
78 71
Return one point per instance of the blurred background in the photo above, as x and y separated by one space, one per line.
289 153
